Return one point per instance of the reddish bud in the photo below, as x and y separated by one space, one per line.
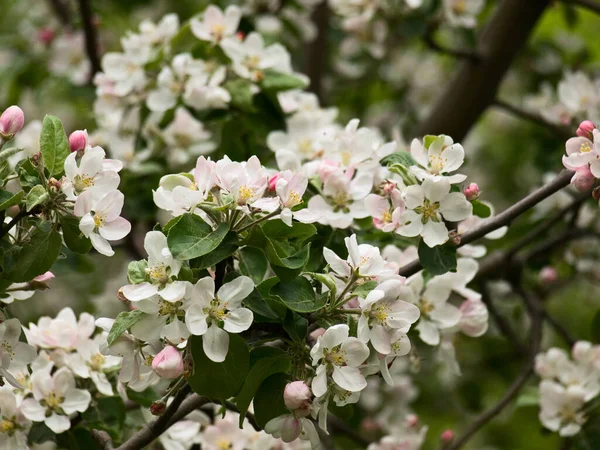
158 407
548 275
447 436
472 192
583 180
121 296
78 140
585 129
54 184
46 35
273 181
412 420
168 364
11 121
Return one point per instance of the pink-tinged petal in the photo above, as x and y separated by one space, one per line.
101 245
83 204
376 205
110 205
356 351
335 335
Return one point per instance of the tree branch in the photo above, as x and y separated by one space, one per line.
103 439
91 37
316 51
561 132
505 217
62 11
474 86
467 54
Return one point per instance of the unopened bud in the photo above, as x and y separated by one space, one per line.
548 275
583 180
586 129
454 237
11 121
447 436
297 397
472 192
240 35
78 140
121 296
39 282
273 182
388 187
46 35
168 364
158 407
290 429
54 185
35 159
412 420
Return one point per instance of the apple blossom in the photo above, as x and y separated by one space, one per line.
441 157
14 426
13 352
363 260
561 408
216 25
55 399
64 332
246 182
11 121
472 192
100 220
474 317
78 140
168 363
208 310
462 13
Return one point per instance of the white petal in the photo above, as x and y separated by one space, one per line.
235 291
215 343
349 378
238 320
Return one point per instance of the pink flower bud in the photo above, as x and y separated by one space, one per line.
273 181
369 425
297 397
44 277
583 180
314 335
290 429
168 363
548 275
474 317
472 192
11 121
412 420
586 128
78 140
158 407
389 187
46 35
447 436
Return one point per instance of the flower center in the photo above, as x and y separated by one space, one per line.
585 147
429 211
96 362
460 7
217 31
166 308
335 356
426 306
224 444
216 310
305 147
82 182
379 314
346 158
437 163
386 217
294 199
7 426
245 193
158 273
53 401
99 219
8 349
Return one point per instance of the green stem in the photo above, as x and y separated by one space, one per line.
257 221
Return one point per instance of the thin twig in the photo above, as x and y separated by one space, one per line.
103 439
470 55
534 118
91 37
249 416
20 215
505 217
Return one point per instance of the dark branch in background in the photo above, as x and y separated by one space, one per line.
506 216
103 439
592 5
561 132
535 313
91 36
470 55
339 425
474 86
62 11
316 51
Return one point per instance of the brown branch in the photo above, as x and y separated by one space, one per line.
474 86
91 37
316 52
62 11
561 132
103 439
467 54
338 425
591 5
514 389
505 217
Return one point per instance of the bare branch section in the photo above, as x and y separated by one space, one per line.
470 55
91 36
62 11
474 86
103 439
561 132
505 217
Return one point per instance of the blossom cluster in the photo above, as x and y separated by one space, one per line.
569 383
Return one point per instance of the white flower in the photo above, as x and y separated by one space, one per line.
442 157
474 318
100 220
250 58
162 319
93 173
561 408
13 352
208 310
14 426
162 269
436 313
69 59
428 206
225 433
216 25
185 136
181 193
203 90
289 188
337 355
63 332
382 312
578 93
462 13
89 362
289 428
55 399
122 74
363 260
245 181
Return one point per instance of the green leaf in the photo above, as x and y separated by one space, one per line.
268 400
241 94
260 370
38 255
8 199
106 413
295 326
276 81
403 158
364 289
258 305
224 250
481 209
192 237
595 329
9 152
36 196
326 279
123 322
430 139
298 295
276 230
54 145
136 271
438 260
530 396
74 238
253 263
283 255
219 381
